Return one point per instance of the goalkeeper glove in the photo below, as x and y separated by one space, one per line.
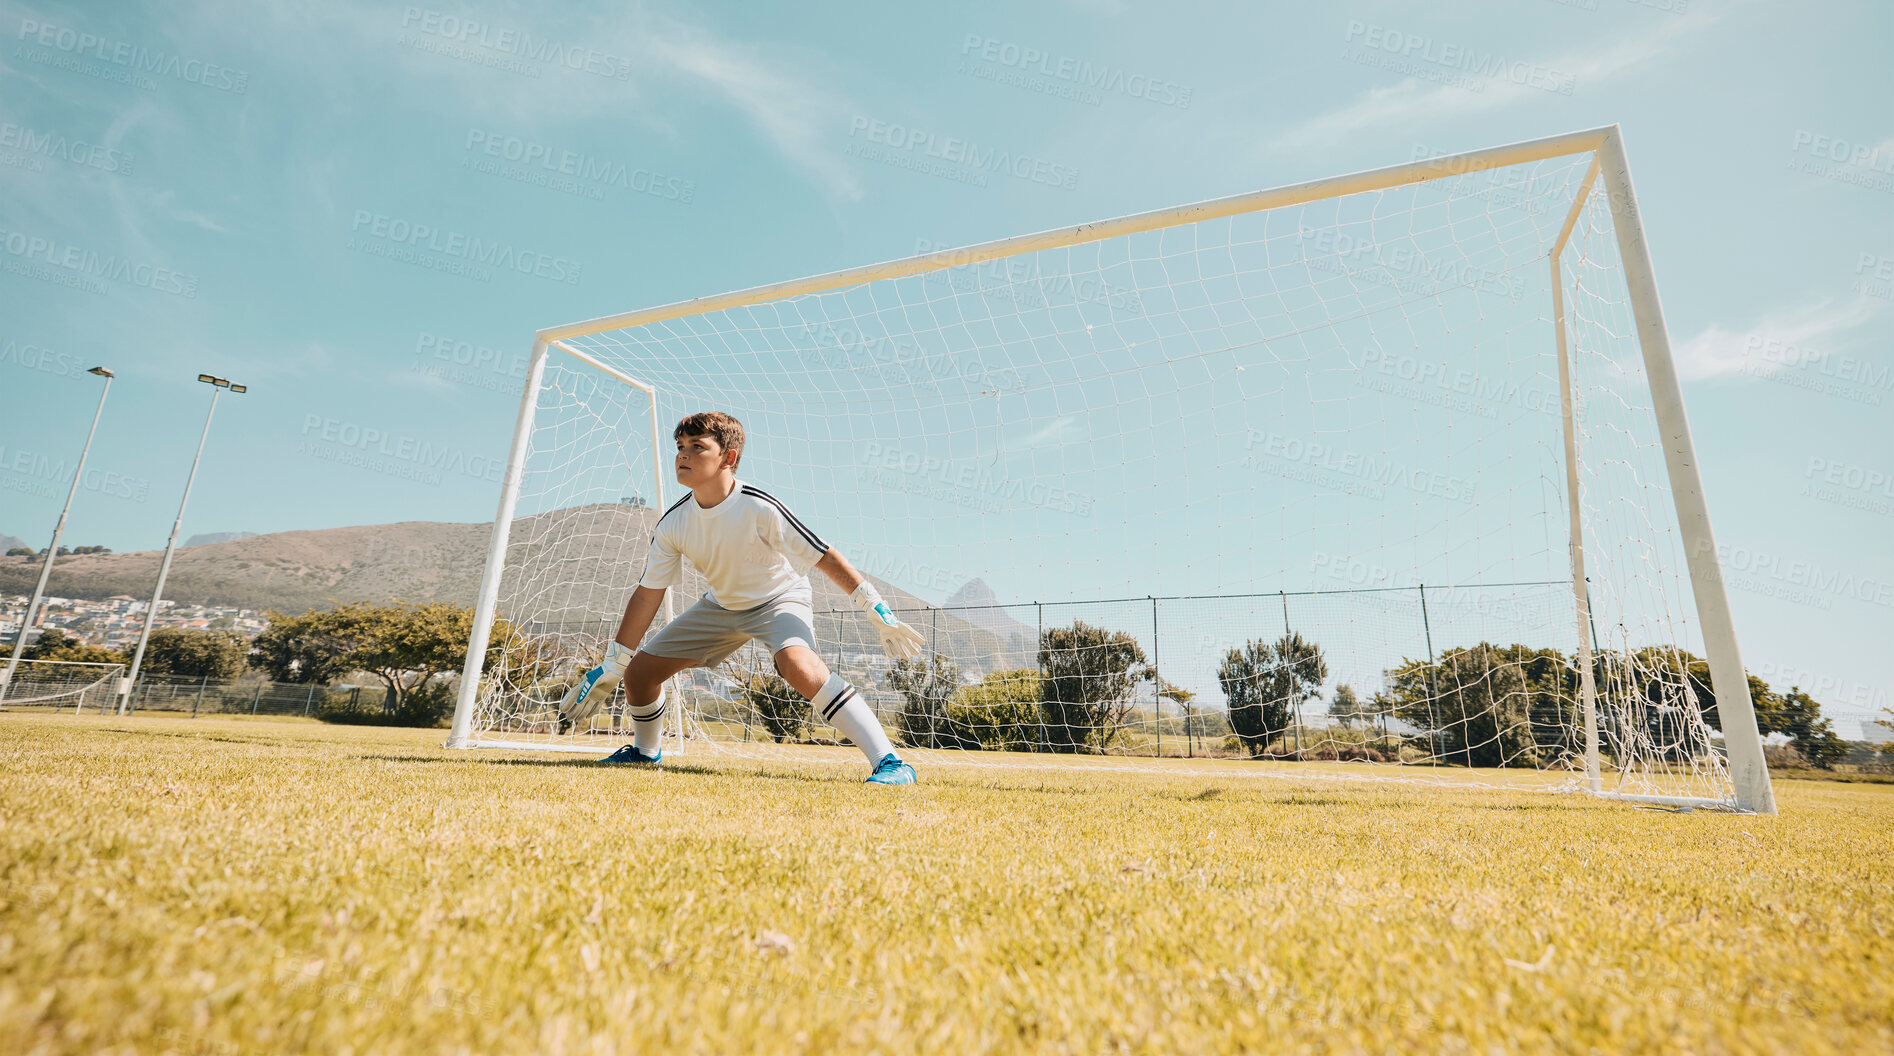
583 700
898 640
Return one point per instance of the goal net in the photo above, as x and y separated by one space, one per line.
1295 475
58 683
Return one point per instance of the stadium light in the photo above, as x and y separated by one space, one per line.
171 545
52 549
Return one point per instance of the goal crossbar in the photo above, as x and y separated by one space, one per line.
1255 201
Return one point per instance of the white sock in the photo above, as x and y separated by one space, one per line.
647 725
842 706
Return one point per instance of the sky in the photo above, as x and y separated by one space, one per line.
275 192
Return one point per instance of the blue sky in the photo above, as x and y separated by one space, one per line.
231 163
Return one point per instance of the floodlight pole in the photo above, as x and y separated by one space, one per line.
170 547
52 549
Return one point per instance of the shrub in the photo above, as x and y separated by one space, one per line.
1266 686
784 714
999 713
426 708
1088 675
926 685
1784 757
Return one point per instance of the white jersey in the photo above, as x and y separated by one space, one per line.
749 546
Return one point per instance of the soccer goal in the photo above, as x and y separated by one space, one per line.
1384 475
58 683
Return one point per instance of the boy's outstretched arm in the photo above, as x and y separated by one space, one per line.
898 640
583 700
639 612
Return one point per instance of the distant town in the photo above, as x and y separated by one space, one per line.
114 623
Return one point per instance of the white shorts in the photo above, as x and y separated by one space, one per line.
709 633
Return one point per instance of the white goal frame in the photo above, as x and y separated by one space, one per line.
1749 773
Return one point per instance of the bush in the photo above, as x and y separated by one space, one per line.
1784 757
1085 691
218 656
926 685
998 713
426 708
1267 684
783 712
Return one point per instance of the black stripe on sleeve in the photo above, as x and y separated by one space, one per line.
820 546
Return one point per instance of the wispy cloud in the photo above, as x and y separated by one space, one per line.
1773 342
485 74
794 113
1414 100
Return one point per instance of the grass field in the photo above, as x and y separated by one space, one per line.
229 886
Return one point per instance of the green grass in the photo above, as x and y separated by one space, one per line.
222 887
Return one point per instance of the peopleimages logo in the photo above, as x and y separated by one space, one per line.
568 170
1458 58
45 360
1456 388
1022 282
78 151
1084 76
474 33
968 483
69 265
962 152
1347 471
131 58
469 255
1405 267
39 474
395 454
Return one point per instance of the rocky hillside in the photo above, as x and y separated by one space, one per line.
582 563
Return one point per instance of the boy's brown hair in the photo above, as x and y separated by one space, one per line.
725 430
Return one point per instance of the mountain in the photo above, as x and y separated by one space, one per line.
206 538
293 571
584 561
977 605
8 542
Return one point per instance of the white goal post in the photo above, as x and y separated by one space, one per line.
1137 327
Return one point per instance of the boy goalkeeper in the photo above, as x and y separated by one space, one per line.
756 556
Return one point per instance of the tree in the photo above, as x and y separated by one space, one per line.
1553 709
926 684
1474 704
1800 718
214 655
1181 697
406 647
784 713
1087 677
90 549
55 644
1265 685
1668 678
1255 714
1000 712
305 648
1347 708
21 551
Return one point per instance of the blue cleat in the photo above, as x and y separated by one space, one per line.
630 754
892 771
